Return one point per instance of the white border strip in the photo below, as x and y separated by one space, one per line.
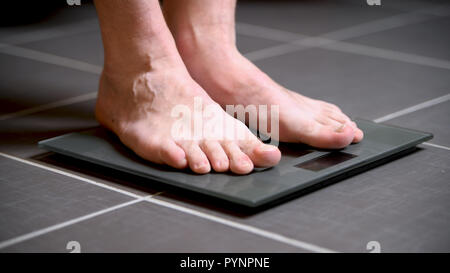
254 230
414 108
46 230
74 176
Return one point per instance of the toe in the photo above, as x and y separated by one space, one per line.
216 155
331 106
172 154
145 147
332 123
262 155
331 138
196 158
359 134
240 163
342 118
339 117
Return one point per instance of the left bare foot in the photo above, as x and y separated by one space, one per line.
230 79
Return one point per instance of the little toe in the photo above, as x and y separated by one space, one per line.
359 135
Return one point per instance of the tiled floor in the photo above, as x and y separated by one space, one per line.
389 58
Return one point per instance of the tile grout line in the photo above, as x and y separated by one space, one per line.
52 228
57 32
413 108
92 95
437 146
386 54
95 69
151 199
243 227
247 228
289 45
80 27
48 58
71 175
86 67
49 106
381 53
383 24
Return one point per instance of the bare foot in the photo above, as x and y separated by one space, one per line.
144 79
137 107
229 78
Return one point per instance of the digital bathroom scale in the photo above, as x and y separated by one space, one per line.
301 167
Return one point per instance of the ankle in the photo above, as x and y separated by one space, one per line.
203 39
137 61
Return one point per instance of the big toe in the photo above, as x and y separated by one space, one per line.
240 163
330 137
262 155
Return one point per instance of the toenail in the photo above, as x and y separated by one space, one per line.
201 165
220 164
341 128
245 163
183 162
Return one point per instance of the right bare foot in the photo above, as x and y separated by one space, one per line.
137 107
144 78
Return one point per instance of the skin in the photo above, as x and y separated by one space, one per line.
205 35
144 78
152 66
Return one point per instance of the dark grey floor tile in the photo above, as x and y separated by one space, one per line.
86 47
247 44
308 17
404 205
56 20
32 198
435 119
19 136
362 86
27 83
146 227
428 38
